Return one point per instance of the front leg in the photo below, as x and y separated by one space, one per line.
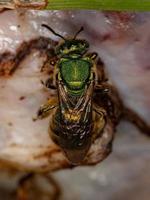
45 109
49 83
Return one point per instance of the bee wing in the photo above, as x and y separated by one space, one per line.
76 104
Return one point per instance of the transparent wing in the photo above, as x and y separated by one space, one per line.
80 106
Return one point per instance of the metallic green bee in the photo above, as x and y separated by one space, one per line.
85 101
72 124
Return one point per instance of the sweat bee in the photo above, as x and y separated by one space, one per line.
85 101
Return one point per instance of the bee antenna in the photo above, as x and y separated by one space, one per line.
79 31
51 30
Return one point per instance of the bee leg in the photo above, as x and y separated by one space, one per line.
134 118
121 112
23 186
49 83
108 97
45 109
29 188
99 68
105 95
92 55
100 111
50 61
101 74
99 119
56 188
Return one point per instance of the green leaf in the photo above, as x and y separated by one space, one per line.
132 5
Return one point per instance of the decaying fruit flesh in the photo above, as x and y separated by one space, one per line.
119 40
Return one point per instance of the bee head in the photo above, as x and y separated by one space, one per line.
70 46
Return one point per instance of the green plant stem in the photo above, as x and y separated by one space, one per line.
120 5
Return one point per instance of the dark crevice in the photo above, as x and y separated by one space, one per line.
9 62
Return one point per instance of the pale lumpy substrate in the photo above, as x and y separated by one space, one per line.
121 41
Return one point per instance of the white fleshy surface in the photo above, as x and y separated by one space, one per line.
126 55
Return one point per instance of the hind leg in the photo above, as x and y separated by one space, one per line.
116 110
30 189
46 109
102 133
56 188
107 96
99 118
134 118
23 186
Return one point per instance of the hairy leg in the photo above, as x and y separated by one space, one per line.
116 109
56 188
99 118
131 116
46 109
23 186
49 68
101 74
107 96
49 83
28 188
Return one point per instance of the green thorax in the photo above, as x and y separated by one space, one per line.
75 73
